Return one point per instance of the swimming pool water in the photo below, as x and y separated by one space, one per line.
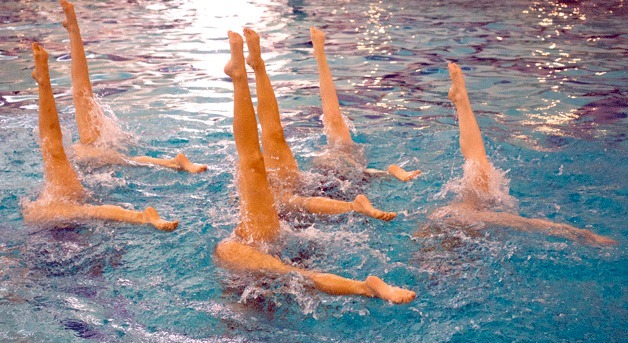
547 81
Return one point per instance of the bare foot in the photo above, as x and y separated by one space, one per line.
152 217
458 90
361 204
254 59
184 163
591 238
235 66
318 40
387 292
567 231
603 240
41 63
401 174
69 22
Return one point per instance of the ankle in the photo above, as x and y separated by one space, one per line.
319 53
257 63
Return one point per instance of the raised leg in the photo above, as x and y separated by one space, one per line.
472 147
259 217
88 113
65 211
320 205
336 129
471 143
237 256
63 188
277 154
257 205
61 180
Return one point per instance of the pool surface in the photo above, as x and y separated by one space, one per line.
547 81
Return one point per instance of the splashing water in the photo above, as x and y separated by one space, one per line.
497 198
112 136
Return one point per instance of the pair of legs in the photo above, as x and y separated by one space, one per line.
89 114
278 157
472 147
259 219
59 201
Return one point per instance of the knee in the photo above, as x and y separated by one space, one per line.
224 249
253 164
274 134
30 215
227 253
54 149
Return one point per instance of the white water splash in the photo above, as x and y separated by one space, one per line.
463 189
111 133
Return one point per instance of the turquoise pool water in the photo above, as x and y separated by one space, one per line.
547 80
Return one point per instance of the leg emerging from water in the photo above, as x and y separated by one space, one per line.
471 143
336 129
277 154
320 205
242 257
257 205
260 222
63 189
472 147
88 113
61 180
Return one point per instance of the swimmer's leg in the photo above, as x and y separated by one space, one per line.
105 155
320 205
63 211
396 171
260 221
259 217
179 162
61 180
471 143
62 185
542 225
336 129
237 256
277 153
88 113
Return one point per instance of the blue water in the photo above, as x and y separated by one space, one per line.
547 81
